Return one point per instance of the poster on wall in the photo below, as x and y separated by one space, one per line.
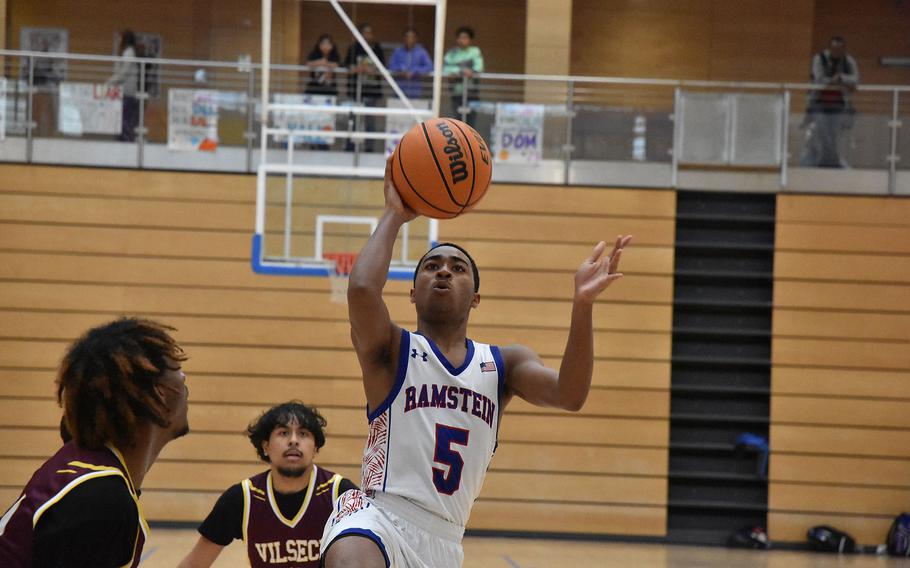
401 123
298 120
518 133
148 45
2 108
47 71
89 108
192 120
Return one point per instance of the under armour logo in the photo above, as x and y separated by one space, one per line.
422 356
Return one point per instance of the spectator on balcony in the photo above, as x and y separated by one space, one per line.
463 61
46 82
126 75
365 82
829 108
409 62
322 61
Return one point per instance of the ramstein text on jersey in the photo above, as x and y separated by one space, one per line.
451 397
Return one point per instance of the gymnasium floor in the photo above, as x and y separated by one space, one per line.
167 546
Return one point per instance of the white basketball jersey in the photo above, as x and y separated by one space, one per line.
432 439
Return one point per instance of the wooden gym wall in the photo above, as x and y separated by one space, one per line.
82 246
840 412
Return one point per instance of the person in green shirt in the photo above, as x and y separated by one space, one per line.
463 60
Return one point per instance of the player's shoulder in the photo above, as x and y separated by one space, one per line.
515 354
234 491
107 494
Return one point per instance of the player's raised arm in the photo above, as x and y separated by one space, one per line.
568 389
373 333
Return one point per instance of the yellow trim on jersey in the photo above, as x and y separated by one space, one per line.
84 465
129 477
143 524
99 471
69 487
325 486
335 486
246 485
306 502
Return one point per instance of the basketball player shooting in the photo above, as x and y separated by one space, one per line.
435 399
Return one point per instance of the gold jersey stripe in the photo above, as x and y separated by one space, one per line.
84 465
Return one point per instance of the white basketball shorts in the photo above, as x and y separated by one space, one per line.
408 535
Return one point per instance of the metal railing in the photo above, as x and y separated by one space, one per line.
593 127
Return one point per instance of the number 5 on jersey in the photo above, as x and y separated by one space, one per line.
448 483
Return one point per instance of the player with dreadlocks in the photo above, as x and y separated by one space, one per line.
124 397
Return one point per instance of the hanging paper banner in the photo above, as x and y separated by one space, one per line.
2 108
305 120
518 133
192 120
90 108
401 123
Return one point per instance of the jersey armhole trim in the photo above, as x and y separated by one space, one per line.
336 484
500 391
500 369
72 485
400 373
245 487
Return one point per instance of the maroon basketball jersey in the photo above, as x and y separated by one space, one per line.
274 540
59 475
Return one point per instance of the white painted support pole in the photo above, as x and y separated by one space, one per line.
438 40
379 66
264 78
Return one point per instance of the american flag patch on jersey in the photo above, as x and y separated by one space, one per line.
488 367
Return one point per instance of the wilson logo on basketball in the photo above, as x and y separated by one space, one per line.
441 168
457 167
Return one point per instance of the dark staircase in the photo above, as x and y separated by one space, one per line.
721 365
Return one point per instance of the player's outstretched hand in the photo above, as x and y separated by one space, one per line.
393 200
598 271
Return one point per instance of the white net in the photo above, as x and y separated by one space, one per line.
339 267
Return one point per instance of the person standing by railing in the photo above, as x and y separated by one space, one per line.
409 62
126 75
463 60
322 61
829 108
364 82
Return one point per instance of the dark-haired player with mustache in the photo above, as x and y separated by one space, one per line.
279 513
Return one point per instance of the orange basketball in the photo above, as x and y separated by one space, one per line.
441 168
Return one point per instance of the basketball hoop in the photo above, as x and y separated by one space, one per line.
339 265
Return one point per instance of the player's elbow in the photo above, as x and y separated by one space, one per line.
360 289
573 404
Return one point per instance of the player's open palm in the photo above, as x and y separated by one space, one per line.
599 271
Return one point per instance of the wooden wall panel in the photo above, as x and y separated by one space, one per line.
197 29
81 246
840 362
692 39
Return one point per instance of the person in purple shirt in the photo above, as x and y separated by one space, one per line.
409 62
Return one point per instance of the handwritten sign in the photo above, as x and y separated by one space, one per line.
192 121
90 108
